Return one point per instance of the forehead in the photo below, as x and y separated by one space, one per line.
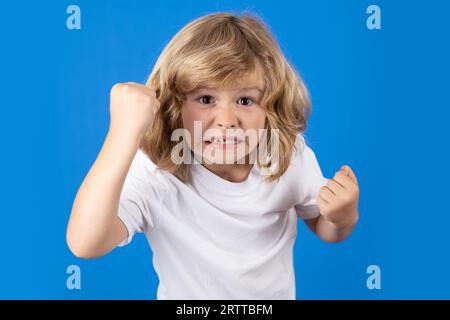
249 80
245 81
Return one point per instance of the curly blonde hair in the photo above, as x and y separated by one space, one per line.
219 48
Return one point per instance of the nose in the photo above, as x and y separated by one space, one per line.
226 117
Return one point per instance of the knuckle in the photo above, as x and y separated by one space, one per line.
116 87
126 85
340 174
129 87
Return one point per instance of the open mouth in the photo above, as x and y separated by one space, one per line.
223 142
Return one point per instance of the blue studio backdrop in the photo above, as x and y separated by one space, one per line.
380 104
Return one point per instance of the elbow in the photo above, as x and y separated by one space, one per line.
78 248
78 241
333 240
78 251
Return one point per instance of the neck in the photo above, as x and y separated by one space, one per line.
231 172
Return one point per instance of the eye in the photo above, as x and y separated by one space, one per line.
245 101
205 99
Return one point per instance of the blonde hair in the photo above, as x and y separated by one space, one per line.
219 48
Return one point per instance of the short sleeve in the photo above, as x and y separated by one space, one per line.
310 180
141 197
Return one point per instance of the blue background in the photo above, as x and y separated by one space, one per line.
380 105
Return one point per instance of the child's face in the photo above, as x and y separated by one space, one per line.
225 112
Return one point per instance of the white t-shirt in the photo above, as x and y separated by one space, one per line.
216 239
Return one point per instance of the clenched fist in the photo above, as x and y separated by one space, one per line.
132 107
338 199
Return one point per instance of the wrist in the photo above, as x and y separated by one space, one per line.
350 221
124 142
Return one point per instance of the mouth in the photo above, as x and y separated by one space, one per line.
223 142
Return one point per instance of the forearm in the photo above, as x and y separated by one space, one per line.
96 204
334 232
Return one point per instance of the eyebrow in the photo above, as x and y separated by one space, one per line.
253 88
239 89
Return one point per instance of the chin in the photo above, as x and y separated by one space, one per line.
210 156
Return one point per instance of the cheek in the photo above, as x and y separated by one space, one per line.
189 119
256 119
186 118
190 115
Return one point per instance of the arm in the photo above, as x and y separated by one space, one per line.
329 231
338 204
94 228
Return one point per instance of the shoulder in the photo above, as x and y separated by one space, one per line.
143 171
142 164
303 155
304 171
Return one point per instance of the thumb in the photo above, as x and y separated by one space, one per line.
347 170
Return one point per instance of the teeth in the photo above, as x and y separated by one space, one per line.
227 141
